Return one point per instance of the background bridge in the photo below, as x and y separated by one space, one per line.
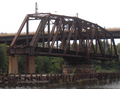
74 39
8 37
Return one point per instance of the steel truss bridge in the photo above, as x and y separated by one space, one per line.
74 39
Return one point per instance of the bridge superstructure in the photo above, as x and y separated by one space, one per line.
65 29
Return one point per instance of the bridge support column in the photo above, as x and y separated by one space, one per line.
30 64
13 65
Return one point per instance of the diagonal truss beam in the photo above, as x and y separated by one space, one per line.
19 31
55 36
69 36
39 31
52 32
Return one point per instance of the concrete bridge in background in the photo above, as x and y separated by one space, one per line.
8 37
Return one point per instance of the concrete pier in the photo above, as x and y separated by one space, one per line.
13 65
30 64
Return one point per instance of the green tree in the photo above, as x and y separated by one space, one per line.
45 64
3 57
21 63
42 64
56 64
118 48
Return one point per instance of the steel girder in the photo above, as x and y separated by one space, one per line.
68 37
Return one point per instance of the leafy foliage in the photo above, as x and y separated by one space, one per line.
44 64
3 57
21 63
48 64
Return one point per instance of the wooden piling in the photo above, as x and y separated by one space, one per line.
85 78
9 80
50 78
3 79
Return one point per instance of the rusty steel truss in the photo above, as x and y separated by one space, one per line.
74 39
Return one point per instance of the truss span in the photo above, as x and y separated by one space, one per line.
74 39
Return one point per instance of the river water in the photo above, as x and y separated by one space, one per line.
113 85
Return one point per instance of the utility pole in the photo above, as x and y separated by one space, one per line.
36 9
77 15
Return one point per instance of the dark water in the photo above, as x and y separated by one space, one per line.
114 85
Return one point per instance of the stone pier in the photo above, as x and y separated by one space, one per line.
78 68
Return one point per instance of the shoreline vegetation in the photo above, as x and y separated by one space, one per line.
44 64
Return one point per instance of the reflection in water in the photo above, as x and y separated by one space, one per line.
115 85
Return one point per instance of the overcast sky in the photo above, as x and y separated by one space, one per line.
103 12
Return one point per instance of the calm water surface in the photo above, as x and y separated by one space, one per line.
114 85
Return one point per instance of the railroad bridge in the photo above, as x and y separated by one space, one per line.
76 40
